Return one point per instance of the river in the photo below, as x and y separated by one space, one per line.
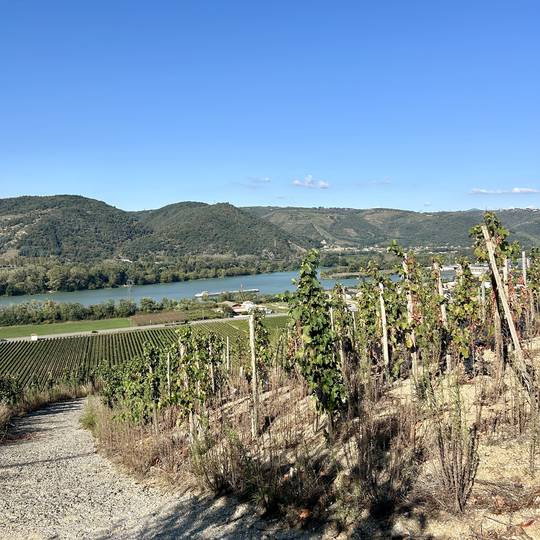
272 283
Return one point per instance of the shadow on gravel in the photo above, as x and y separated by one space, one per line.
25 427
55 460
55 408
209 518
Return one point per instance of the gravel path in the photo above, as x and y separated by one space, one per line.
53 484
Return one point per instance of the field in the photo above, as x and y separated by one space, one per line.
62 328
52 358
163 317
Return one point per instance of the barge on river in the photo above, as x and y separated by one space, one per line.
206 294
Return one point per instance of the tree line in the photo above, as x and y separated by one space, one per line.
43 275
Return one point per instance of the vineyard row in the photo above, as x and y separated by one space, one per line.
54 358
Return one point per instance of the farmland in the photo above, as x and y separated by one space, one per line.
54 358
63 328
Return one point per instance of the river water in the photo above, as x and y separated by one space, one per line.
271 283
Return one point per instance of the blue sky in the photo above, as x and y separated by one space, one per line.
422 105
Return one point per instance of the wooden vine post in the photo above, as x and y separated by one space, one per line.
386 354
505 276
483 299
228 355
212 373
191 420
410 316
440 291
444 315
254 379
500 292
169 375
524 267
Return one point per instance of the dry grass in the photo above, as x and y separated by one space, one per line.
34 399
384 471
5 416
138 448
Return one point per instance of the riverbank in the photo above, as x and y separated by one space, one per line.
270 283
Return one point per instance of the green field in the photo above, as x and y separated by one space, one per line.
52 358
62 328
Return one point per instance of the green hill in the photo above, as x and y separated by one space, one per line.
348 227
81 229
191 227
65 226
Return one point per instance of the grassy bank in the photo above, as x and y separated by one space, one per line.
62 328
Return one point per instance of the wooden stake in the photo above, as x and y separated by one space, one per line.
386 354
410 316
212 374
191 420
169 374
505 275
499 345
444 315
501 293
524 267
483 299
254 381
227 355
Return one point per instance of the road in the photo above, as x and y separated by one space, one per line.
53 484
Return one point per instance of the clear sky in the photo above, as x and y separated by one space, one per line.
423 105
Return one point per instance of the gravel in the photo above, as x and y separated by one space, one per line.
53 484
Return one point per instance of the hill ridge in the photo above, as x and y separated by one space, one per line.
78 228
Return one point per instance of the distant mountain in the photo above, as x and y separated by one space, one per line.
363 228
65 226
80 229
191 227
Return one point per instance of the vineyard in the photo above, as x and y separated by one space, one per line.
358 410
48 360
365 408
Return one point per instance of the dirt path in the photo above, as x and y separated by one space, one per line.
53 484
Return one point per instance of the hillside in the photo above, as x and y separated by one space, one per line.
188 227
81 229
65 226
363 228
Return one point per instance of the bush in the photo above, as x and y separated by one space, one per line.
10 390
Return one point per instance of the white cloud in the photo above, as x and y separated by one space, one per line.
512 191
309 182
525 190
